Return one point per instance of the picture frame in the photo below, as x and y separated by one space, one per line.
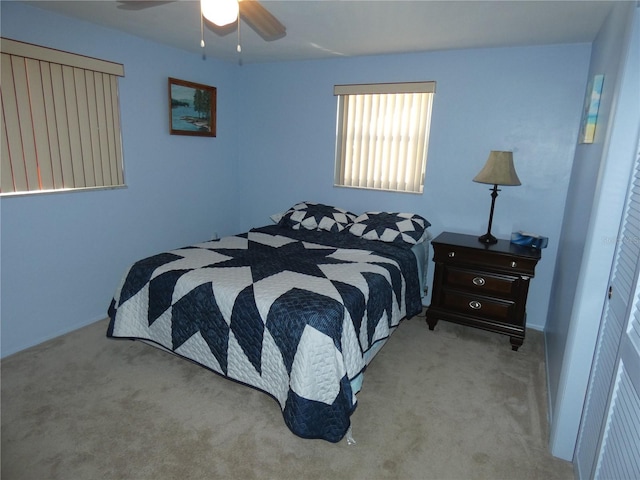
591 107
192 108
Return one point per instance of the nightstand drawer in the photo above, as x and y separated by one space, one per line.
454 255
490 308
481 282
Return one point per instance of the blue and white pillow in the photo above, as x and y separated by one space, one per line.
398 228
316 216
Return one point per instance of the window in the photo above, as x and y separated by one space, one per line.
382 135
60 123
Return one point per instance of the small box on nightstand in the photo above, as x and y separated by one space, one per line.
529 239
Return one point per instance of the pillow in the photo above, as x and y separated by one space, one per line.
276 217
391 227
316 216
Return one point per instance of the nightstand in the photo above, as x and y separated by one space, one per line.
482 286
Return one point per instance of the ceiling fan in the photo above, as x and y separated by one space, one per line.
221 21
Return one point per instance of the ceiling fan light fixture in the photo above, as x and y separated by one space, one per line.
220 12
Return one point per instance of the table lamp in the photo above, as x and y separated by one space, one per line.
498 170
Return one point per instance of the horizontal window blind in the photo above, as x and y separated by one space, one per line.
383 134
60 124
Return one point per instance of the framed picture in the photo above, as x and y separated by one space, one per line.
591 107
192 108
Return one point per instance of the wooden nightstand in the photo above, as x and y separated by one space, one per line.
482 286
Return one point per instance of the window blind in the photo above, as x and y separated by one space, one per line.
60 123
383 134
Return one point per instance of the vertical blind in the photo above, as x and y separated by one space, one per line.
382 135
60 124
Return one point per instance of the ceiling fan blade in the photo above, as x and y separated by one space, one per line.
140 4
261 20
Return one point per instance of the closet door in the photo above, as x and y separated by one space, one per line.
610 427
619 453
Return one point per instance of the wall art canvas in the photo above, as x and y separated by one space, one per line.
192 108
591 107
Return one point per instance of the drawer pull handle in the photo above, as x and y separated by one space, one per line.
478 281
476 305
452 254
514 264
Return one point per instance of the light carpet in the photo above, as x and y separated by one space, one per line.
454 403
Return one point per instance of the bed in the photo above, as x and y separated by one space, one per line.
297 309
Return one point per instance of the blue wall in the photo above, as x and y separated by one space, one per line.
595 201
525 99
63 254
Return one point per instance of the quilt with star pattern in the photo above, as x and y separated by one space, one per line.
297 314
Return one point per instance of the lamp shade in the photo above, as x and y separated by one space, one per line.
220 12
498 170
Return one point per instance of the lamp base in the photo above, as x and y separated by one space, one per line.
487 239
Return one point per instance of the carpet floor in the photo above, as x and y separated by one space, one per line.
454 403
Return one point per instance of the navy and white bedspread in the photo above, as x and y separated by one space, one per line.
297 314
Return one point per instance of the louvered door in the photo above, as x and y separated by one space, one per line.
619 456
609 438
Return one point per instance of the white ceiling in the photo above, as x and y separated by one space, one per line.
338 28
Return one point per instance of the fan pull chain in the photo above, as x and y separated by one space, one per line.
239 48
201 29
